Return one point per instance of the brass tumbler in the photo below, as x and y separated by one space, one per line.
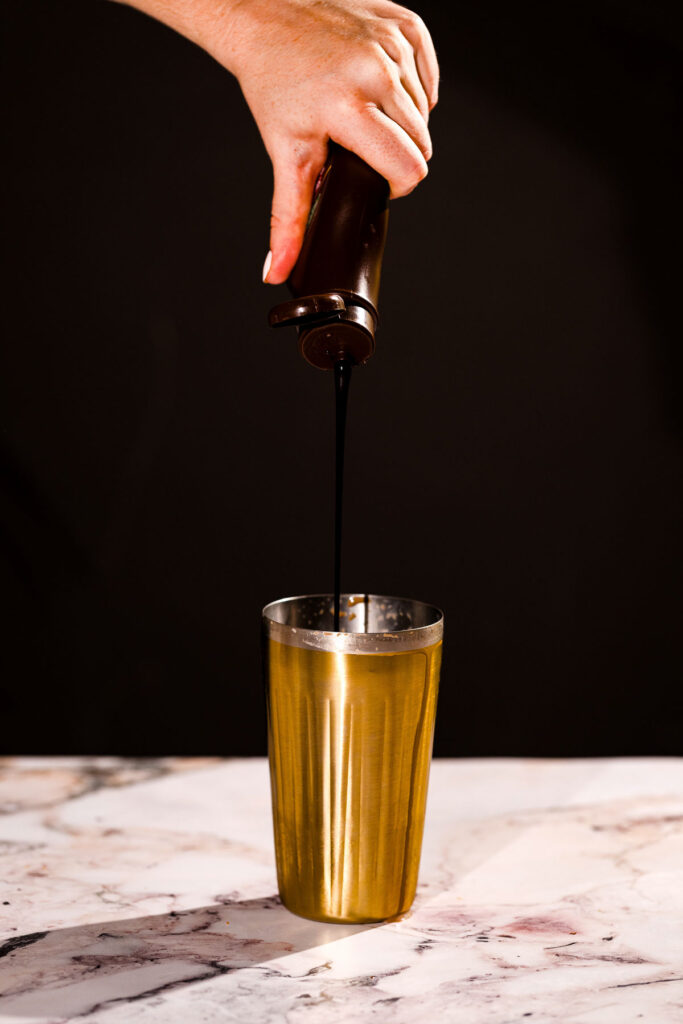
350 730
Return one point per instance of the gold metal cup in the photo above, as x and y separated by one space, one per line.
350 729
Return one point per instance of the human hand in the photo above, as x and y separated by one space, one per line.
361 72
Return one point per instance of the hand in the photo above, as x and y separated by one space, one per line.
361 72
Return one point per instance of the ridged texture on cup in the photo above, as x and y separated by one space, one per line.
350 740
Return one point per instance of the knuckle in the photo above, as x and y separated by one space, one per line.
348 105
385 76
306 157
298 160
421 172
413 175
411 20
397 39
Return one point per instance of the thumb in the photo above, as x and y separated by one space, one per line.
294 180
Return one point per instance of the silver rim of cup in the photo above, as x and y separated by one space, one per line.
372 623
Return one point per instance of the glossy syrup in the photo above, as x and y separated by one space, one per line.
342 382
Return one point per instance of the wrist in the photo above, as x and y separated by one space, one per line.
208 23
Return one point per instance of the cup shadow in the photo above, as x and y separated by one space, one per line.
73 971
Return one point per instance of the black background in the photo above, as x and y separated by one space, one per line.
514 445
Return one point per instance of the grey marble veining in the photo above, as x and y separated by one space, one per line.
144 891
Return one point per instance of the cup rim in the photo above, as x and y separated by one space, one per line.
386 641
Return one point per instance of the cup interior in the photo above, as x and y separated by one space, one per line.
366 619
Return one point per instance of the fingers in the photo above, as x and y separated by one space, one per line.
294 175
417 34
401 52
399 106
386 86
385 145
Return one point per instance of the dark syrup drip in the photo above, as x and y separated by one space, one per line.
342 381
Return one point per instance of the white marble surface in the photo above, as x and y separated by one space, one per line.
145 891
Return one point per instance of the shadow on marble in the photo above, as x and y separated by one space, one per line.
72 971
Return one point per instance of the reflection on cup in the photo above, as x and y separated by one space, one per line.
350 729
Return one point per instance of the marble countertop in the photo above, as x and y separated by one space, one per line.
144 891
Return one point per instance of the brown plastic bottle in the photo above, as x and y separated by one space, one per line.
335 282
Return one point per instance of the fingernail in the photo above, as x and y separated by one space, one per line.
266 266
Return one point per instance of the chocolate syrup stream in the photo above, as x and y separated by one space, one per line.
342 380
